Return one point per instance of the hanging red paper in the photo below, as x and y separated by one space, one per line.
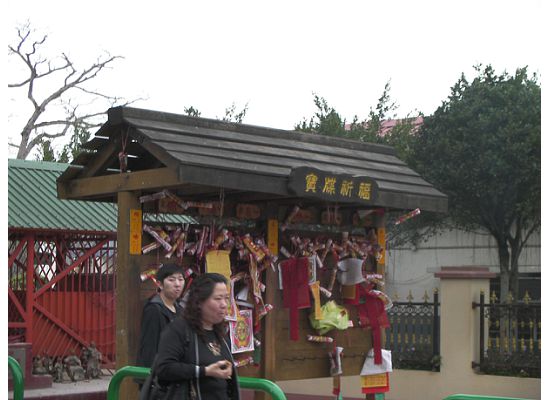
295 290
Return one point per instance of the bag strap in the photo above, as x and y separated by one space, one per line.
154 366
197 363
145 392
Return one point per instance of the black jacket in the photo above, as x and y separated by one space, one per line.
154 318
177 356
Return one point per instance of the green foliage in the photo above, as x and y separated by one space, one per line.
384 107
74 148
327 121
191 111
45 151
231 114
482 148
69 152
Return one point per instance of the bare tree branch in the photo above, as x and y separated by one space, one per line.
40 137
81 119
27 50
41 75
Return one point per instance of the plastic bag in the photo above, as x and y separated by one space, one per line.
334 316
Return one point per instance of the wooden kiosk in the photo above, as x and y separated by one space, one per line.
242 167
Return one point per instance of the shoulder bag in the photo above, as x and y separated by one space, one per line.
152 389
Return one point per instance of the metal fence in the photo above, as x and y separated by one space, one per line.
413 335
509 336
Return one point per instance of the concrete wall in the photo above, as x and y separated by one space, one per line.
459 344
412 268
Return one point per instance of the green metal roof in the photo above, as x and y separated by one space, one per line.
33 202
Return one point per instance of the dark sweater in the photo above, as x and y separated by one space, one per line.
154 319
177 361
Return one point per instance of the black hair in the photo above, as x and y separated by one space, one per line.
200 290
165 270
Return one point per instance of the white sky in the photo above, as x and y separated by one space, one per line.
274 54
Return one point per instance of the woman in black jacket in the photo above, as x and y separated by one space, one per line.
193 350
159 311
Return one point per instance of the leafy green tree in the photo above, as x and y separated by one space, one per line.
482 147
45 151
327 121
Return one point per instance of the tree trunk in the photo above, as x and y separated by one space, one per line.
504 318
23 151
504 262
514 271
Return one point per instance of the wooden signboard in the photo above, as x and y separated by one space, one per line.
321 185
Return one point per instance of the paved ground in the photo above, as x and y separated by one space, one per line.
96 389
65 388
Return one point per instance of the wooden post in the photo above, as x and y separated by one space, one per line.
268 343
380 269
128 303
381 234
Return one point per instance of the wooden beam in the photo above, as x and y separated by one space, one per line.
237 180
97 186
101 158
128 305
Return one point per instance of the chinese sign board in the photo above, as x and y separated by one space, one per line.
322 185
135 231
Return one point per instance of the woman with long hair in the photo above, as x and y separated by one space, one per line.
193 351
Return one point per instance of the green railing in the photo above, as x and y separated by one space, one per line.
17 374
478 397
140 372
264 385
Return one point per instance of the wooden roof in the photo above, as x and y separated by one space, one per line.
199 156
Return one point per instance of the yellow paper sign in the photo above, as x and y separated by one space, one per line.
373 381
273 236
218 261
316 299
135 231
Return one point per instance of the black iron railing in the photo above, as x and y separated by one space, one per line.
413 336
509 336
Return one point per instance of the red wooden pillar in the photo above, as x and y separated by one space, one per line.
30 288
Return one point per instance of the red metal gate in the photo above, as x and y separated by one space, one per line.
61 291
